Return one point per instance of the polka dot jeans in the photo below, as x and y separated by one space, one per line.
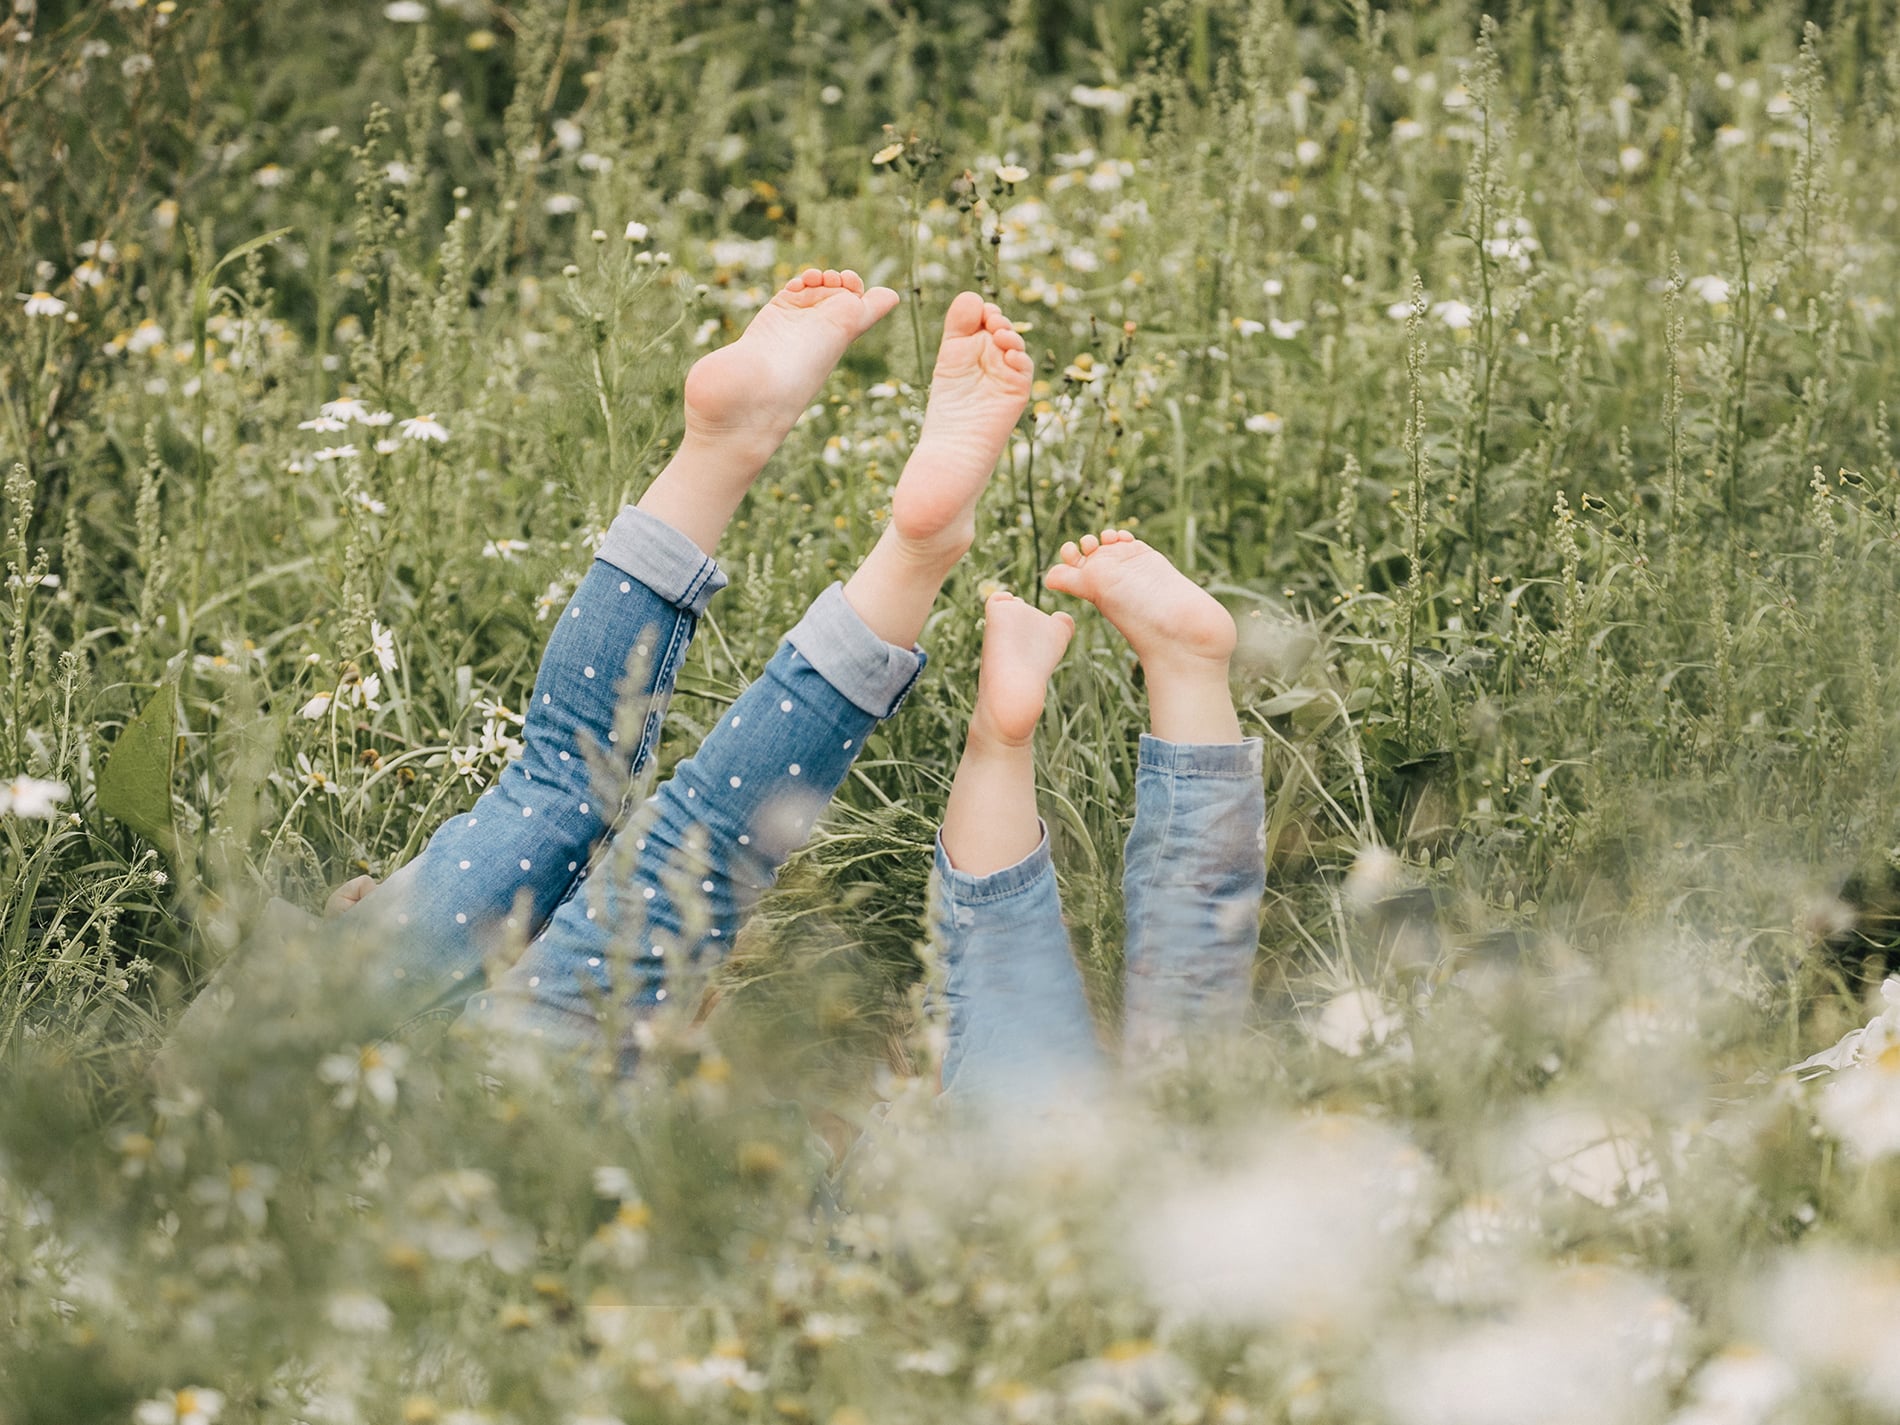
500 868
671 889
1020 1038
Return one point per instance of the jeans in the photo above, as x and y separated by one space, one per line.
1020 1035
501 868
679 878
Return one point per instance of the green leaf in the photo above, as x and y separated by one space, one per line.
135 785
1292 700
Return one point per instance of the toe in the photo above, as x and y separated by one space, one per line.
1020 361
1089 545
812 277
833 278
879 303
965 317
851 280
1068 624
993 317
1111 535
1010 341
1069 554
1064 579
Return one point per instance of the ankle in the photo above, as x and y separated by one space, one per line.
987 738
732 455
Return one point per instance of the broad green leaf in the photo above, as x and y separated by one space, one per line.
135 785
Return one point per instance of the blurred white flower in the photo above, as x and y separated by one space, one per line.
1406 130
424 428
1355 1022
345 408
1285 331
1729 136
1742 1385
1835 1312
1860 1105
715 1376
1309 1230
882 391
271 175
1589 1346
406 12
363 1071
1246 326
1375 874
387 446
1454 314
358 1312
1102 98
43 304
33 798
243 1189
1457 97
1012 173
367 502
1710 288
1308 152
1780 104
316 707
636 232
1599 1154
373 418
1263 423
325 424
194 1405
1630 158
148 335
382 643
561 204
334 452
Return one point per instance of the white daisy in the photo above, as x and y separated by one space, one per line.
424 428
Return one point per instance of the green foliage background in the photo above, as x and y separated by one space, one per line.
1520 381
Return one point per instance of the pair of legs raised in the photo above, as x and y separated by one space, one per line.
1021 1037
604 922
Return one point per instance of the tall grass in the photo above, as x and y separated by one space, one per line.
1521 381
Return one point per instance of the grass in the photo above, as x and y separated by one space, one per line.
1520 383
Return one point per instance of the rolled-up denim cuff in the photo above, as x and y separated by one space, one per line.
961 888
1203 759
663 559
870 674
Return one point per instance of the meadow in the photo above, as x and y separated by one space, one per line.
1519 380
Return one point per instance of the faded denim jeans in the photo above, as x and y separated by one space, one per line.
611 903
1020 1035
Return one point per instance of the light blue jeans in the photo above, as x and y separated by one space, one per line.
611 901
1020 1034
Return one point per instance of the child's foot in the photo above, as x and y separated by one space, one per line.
750 393
978 390
1180 632
1021 647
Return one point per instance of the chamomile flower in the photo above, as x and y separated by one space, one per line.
33 798
192 1405
383 644
324 424
424 428
43 304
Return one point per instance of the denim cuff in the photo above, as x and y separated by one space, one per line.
961 888
869 673
663 559
1202 759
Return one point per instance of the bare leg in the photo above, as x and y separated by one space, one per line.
991 819
1021 1042
1195 867
1180 632
742 400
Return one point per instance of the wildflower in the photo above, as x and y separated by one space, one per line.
888 153
1012 174
358 1311
1728 136
424 428
1406 130
1710 288
325 424
1265 423
882 391
504 548
375 419
636 232
334 452
1832 1312
1307 152
346 408
245 1190
1457 97
386 446
717 1373
269 176
406 12
1454 314
1103 98
367 1071
148 335
1630 158
33 798
316 707
367 502
314 778
1273 286
561 204
89 274
1743 1385
1285 331
551 599
1780 104
1246 326
383 644
1355 1022
43 304
193 1405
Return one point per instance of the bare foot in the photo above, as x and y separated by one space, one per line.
978 390
1180 632
1021 647
750 393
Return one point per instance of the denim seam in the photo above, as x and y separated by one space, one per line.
1154 876
666 669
